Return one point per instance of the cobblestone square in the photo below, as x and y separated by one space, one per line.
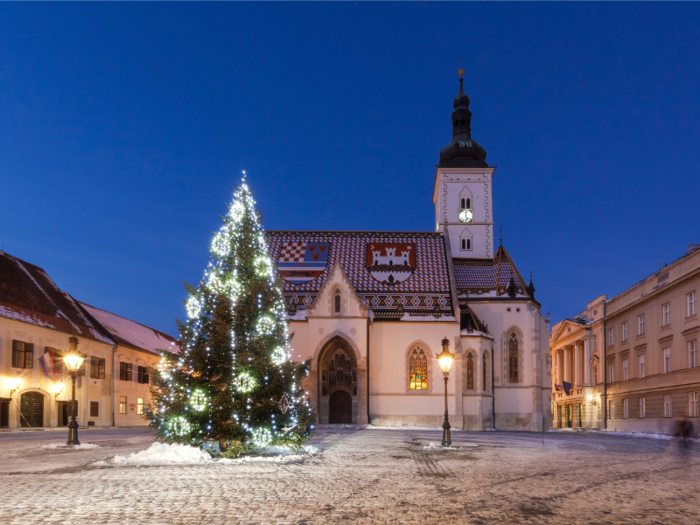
360 476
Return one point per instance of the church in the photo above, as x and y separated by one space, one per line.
370 310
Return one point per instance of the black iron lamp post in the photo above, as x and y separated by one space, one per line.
445 360
73 362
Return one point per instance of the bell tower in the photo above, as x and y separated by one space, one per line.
462 194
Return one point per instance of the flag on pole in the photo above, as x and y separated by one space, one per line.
567 388
47 363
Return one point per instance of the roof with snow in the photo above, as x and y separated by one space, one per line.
497 277
29 295
470 322
392 272
131 334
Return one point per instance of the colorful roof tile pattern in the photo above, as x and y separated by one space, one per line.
489 277
425 292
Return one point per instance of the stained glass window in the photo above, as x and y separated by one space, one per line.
418 370
513 358
470 372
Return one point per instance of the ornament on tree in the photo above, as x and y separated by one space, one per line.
234 359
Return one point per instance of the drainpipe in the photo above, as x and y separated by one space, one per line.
493 389
368 418
114 352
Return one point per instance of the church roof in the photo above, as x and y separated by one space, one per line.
470 322
391 271
497 277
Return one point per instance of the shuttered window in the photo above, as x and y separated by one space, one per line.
22 354
97 368
94 409
143 375
125 372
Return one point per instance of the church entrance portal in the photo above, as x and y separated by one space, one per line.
32 410
340 408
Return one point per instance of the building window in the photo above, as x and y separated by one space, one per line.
465 203
470 372
97 368
337 302
94 409
125 371
595 343
418 370
624 331
642 370
513 358
692 305
139 405
611 337
122 404
22 354
595 375
142 375
640 324
642 407
485 360
692 354
611 372
625 409
668 407
611 409
692 404
625 370
466 243
666 314
667 360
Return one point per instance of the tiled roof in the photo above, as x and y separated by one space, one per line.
470 322
421 286
132 334
28 294
489 277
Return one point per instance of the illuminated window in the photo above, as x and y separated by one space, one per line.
513 358
139 405
122 404
418 370
470 372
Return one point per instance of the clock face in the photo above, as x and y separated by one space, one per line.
466 216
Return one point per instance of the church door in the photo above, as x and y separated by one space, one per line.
340 408
32 410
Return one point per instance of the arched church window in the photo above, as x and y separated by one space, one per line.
418 370
469 203
337 301
470 372
341 372
484 368
464 203
513 358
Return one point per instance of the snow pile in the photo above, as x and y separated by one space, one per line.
655 435
83 446
161 454
377 427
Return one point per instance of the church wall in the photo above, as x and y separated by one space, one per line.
392 403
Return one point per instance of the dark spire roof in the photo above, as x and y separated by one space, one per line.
470 322
462 152
531 288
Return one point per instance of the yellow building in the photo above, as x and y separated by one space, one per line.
36 321
632 361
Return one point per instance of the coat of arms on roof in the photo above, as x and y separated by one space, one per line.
301 261
391 262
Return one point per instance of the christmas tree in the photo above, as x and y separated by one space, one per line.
234 381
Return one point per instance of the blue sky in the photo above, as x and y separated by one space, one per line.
124 126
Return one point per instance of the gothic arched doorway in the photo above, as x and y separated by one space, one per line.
338 383
340 408
32 410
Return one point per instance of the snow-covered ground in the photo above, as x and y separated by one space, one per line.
82 446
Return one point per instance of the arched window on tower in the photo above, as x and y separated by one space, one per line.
470 372
469 203
337 302
466 243
513 358
418 370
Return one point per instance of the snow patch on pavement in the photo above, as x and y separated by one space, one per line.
83 446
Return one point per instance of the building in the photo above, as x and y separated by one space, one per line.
370 310
36 321
630 363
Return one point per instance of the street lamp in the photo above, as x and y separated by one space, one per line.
445 360
73 360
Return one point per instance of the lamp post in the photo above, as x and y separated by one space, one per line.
445 360
73 361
